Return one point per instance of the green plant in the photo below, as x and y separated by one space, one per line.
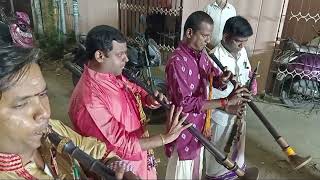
52 45
53 42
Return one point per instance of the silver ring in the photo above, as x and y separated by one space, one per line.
241 94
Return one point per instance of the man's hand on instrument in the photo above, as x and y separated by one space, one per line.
122 170
239 96
174 124
238 110
121 175
153 103
226 76
130 175
224 79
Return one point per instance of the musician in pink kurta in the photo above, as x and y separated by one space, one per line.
107 106
103 105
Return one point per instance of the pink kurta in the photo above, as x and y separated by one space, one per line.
104 106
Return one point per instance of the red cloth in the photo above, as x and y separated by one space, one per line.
103 106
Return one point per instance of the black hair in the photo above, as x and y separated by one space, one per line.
237 26
100 38
14 63
195 19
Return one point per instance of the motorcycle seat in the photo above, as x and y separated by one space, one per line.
292 45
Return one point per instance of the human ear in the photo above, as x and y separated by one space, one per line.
98 55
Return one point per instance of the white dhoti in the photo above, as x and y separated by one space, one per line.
222 124
184 169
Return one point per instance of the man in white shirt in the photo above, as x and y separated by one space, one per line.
232 54
220 11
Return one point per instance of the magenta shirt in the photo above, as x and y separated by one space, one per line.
187 77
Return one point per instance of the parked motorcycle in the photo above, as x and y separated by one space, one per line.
143 55
16 30
299 74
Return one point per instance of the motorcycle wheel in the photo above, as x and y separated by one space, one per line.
292 99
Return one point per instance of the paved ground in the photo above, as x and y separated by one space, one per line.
300 128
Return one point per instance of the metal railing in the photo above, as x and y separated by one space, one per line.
158 19
295 70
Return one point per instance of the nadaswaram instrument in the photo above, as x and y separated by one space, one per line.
248 174
65 145
295 160
237 126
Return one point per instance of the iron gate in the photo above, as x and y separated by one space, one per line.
158 19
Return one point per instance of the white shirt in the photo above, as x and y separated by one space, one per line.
239 66
219 16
